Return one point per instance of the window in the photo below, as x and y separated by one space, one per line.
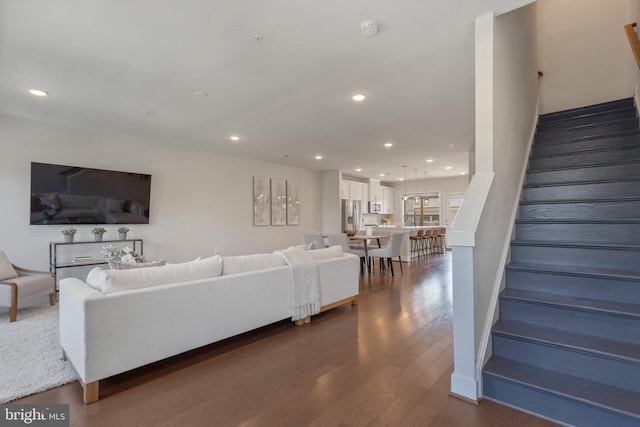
422 210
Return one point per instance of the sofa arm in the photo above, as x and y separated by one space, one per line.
73 298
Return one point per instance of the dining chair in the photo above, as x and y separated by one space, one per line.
392 250
342 240
313 240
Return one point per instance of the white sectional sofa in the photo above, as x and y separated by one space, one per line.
120 320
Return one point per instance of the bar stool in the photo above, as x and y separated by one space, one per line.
443 239
416 243
426 241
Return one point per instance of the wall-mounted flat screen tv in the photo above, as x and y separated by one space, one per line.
63 194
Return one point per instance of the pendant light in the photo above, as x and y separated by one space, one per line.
416 199
405 197
426 198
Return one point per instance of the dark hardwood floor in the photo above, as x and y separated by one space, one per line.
384 362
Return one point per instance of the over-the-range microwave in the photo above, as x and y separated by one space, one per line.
375 207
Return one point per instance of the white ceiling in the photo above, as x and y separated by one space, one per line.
134 66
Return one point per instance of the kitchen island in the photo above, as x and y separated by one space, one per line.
408 231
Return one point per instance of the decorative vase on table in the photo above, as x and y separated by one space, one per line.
123 236
68 238
97 237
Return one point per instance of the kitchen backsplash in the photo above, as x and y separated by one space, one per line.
377 219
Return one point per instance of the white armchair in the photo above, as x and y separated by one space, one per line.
20 284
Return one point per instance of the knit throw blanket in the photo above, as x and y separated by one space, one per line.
305 282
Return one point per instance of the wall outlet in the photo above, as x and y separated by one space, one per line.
215 250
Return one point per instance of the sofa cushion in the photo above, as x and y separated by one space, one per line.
6 269
327 253
109 281
245 263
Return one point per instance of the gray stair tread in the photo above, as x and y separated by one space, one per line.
548 120
590 304
587 126
580 245
565 201
574 270
619 134
580 342
574 183
593 392
630 144
587 109
580 221
582 166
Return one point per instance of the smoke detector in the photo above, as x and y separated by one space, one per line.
369 27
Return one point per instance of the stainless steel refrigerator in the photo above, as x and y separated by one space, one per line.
351 214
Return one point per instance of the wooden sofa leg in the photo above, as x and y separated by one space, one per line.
354 301
90 392
13 310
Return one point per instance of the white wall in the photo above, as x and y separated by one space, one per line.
506 52
583 53
633 15
199 200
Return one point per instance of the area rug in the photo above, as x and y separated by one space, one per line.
30 354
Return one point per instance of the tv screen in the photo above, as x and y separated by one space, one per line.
63 194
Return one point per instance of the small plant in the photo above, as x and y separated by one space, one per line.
69 231
123 230
98 230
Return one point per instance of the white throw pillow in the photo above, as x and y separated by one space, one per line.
6 269
327 253
245 263
138 278
95 279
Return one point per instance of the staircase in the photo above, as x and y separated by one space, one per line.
567 343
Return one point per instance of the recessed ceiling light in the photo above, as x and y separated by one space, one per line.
359 97
359 170
381 174
200 93
448 168
450 145
388 144
318 157
429 160
463 173
400 179
38 92
234 138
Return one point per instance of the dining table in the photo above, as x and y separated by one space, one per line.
365 242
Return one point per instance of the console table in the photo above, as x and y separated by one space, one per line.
56 247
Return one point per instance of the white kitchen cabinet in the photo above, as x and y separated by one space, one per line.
344 189
375 191
355 191
365 198
387 200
